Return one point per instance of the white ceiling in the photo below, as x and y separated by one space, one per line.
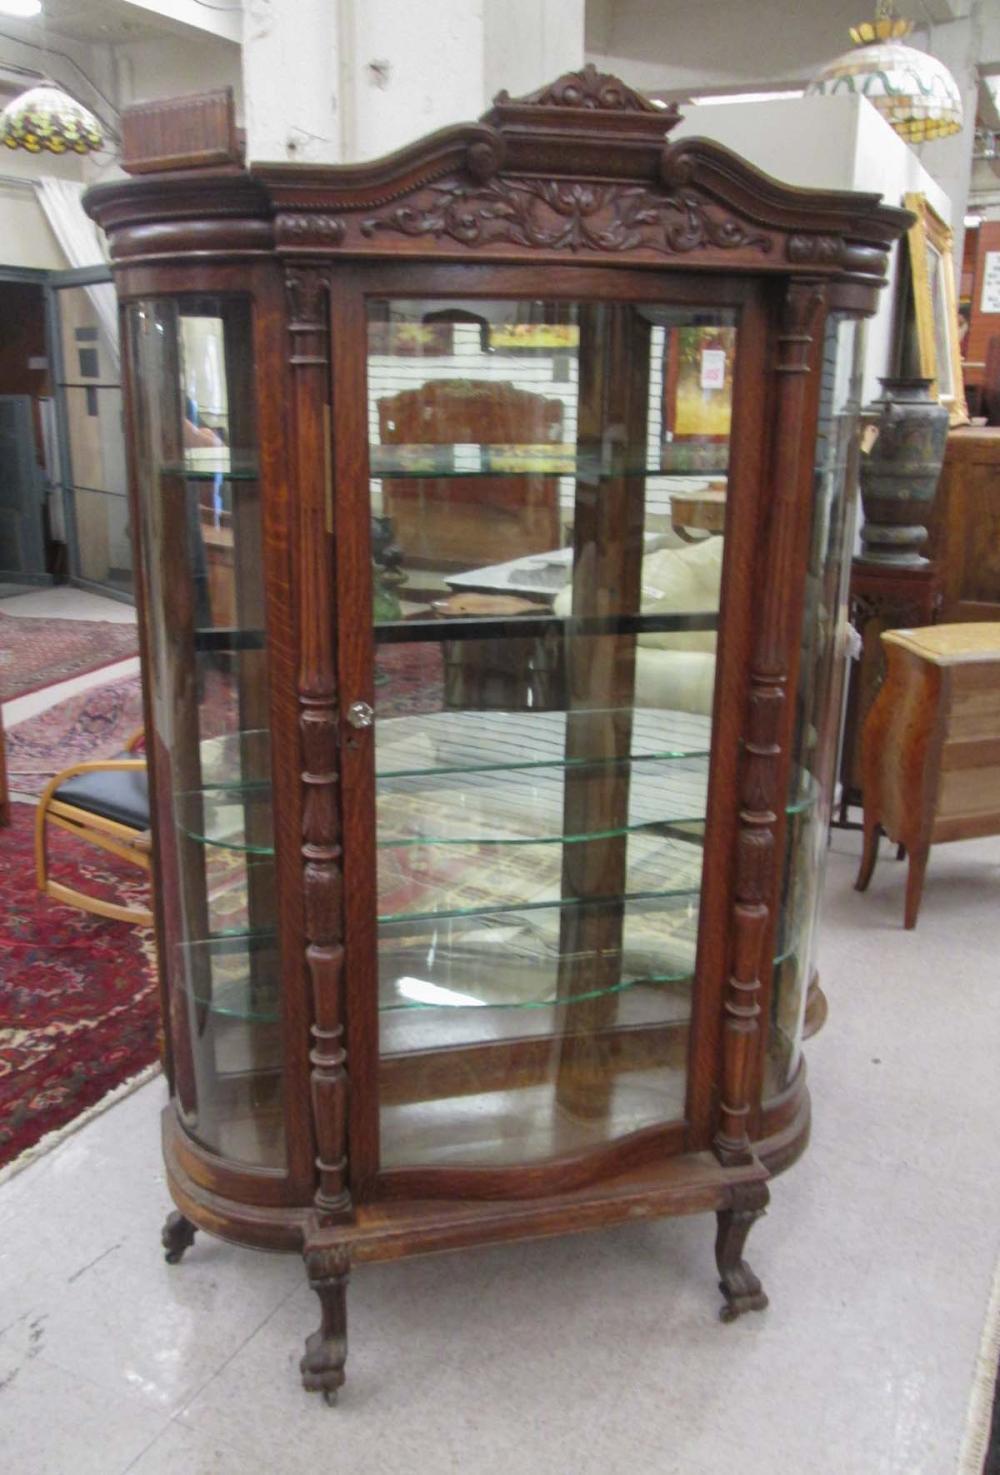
108 22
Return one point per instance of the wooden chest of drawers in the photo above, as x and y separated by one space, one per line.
965 532
930 757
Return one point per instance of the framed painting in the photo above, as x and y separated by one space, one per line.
935 306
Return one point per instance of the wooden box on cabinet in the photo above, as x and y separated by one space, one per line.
433 977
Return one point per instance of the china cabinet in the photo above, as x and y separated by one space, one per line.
489 810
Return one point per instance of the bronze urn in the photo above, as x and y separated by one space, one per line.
899 474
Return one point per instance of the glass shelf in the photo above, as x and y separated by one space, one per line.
419 460
511 985
228 760
231 808
205 463
448 743
234 975
542 911
534 626
527 808
221 978
233 817
533 957
465 779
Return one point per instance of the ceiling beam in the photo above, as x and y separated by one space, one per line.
939 11
216 18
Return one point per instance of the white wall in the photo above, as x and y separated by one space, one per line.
679 46
171 66
826 143
527 43
676 48
26 238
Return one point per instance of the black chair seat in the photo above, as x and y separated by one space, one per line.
120 794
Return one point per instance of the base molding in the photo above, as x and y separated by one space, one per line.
688 1183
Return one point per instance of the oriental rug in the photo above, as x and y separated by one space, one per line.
36 653
94 724
78 997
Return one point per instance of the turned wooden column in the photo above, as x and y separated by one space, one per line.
308 292
764 773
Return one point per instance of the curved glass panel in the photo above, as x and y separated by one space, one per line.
547 495
820 694
192 365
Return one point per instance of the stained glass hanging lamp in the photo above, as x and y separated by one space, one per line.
45 118
914 91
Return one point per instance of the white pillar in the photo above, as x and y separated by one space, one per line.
412 66
292 93
331 81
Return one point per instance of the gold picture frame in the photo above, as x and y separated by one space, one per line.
935 305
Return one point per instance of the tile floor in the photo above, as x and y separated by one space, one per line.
600 1353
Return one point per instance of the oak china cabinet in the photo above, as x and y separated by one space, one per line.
489 807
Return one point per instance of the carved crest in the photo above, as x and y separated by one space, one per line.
591 89
568 215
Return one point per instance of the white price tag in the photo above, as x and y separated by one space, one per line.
990 299
713 368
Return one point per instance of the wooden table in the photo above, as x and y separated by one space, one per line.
930 756
703 512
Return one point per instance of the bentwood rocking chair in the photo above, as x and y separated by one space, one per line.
105 803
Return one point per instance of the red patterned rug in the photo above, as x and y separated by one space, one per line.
95 724
409 680
78 1000
36 653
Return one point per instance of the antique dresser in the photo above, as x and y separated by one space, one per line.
489 811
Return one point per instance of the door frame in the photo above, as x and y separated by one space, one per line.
56 281
34 276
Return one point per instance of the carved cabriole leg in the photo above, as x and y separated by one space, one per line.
322 1366
817 1008
915 883
869 853
318 724
176 1236
762 771
738 1283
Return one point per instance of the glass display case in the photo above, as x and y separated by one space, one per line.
491 506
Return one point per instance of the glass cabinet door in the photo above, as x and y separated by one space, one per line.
548 485
194 410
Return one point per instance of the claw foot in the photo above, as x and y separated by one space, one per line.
177 1235
738 1283
322 1366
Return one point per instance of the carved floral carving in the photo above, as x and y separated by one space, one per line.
818 250
306 297
308 230
566 215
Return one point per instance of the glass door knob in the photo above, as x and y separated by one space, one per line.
359 714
